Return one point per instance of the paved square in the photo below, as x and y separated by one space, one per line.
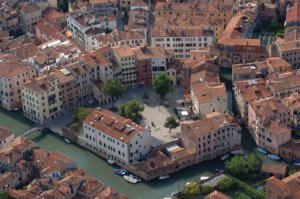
155 113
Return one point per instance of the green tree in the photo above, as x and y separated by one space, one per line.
207 190
113 88
63 4
132 110
78 116
171 123
225 184
235 165
253 161
162 85
190 190
244 167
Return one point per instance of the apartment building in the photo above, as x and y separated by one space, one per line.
14 168
234 45
13 73
271 67
57 92
269 122
291 25
84 88
214 9
42 99
192 22
293 103
46 31
248 71
6 136
247 91
9 21
208 98
105 7
118 138
108 23
125 58
284 85
100 63
101 97
85 28
290 51
138 19
267 11
53 54
181 41
55 16
285 188
68 88
29 16
117 38
150 62
213 135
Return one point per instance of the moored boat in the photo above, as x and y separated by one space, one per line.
135 177
67 141
121 172
163 177
130 179
203 178
224 157
262 150
273 157
110 161
296 161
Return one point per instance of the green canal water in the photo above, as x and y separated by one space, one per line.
98 167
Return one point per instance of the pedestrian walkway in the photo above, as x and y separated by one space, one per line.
31 130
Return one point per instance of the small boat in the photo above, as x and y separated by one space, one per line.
130 179
163 177
237 152
296 161
110 161
135 177
224 157
273 157
67 141
121 172
16 109
202 178
297 164
262 150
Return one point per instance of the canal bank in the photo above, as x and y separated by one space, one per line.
98 167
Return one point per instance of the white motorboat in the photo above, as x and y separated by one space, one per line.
67 141
163 177
224 157
110 161
130 179
203 178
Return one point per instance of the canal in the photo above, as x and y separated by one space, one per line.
98 167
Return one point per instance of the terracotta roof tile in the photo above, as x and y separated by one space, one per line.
113 124
217 195
4 133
